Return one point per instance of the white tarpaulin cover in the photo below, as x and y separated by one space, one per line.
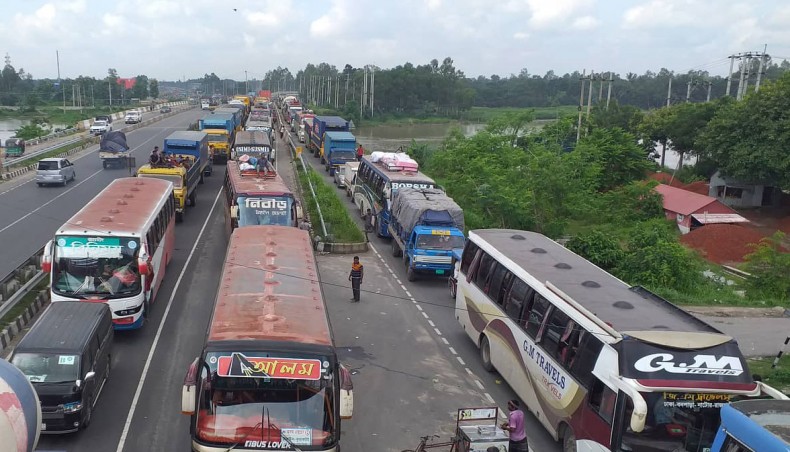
429 207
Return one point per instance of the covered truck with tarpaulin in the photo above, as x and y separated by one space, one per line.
114 151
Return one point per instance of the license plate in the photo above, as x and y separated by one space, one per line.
43 427
439 272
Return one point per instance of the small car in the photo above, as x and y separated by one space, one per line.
56 170
165 109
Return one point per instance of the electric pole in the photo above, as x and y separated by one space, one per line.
609 91
600 88
729 75
669 91
763 57
709 83
688 89
739 96
581 105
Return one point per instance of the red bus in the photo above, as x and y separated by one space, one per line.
268 377
115 249
258 198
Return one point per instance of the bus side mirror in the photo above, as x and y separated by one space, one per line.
346 394
234 212
46 258
142 264
189 389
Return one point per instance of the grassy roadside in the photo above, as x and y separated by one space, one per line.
53 152
778 378
26 301
339 224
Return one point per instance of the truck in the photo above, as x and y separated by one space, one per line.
321 125
338 149
14 147
113 150
189 151
427 229
237 115
221 132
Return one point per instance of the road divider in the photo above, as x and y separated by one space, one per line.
21 289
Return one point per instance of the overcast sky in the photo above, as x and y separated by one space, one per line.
171 39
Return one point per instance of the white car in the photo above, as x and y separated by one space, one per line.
100 127
133 117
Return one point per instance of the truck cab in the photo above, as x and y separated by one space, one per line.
338 149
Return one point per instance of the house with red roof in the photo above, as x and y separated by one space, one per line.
691 210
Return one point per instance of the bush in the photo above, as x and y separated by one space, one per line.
598 247
340 227
769 265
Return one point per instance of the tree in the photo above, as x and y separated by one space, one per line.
599 247
617 155
654 128
686 122
626 117
153 88
749 139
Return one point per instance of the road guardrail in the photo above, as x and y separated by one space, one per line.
15 285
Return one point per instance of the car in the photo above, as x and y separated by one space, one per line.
107 118
165 109
55 170
133 117
100 127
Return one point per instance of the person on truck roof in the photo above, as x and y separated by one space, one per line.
155 159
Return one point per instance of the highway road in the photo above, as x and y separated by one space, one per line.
428 305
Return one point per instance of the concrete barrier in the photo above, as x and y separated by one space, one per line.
24 319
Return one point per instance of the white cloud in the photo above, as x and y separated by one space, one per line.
547 13
520 35
433 5
333 23
585 23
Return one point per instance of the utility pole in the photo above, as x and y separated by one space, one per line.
600 88
60 82
581 105
688 89
589 98
372 90
246 83
669 91
748 75
709 83
609 93
109 91
729 75
763 57
345 97
740 83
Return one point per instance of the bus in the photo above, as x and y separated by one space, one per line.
374 185
255 198
754 425
268 376
603 366
115 249
254 143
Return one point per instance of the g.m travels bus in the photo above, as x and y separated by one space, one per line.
604 366
268 377
754 425
115 249
254 198
375 183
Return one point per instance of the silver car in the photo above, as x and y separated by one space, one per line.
55 170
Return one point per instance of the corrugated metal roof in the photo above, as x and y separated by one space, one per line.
253 184
710 218
682 201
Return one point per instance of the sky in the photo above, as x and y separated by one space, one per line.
177 39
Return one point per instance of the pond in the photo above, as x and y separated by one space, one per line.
9 126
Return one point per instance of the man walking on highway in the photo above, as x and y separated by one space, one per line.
357 272
360 152
515 426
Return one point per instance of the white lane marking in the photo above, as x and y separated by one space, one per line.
460 360
430 322
480 385
452 350
489 398
438 333
82 181
148 360
469 371
408 294
446 342
424 314
419 307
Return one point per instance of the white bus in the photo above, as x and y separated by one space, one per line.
115 249
603 366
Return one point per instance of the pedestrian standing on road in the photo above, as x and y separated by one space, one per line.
357 272
360 152
515 426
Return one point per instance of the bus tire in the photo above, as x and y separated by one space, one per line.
568 440
485 354
411 275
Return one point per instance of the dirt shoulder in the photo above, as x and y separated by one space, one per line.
719 311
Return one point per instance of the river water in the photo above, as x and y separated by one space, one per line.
9 126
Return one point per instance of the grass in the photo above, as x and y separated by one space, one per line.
779 377
53 152
340 227
26 301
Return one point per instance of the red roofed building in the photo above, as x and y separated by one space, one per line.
691 210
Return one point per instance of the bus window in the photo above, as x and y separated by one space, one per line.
582 364
732 445
558 322
494 283
483 270
602 400
504 288
520 297
536 315
469 255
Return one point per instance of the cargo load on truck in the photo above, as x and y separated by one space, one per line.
113 150
426 207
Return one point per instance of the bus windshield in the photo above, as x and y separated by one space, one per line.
264 210
273 410
439 242
677 422
92 266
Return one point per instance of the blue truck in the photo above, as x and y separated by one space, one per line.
322 125
194 145
221 130
237 115
339 149
426 227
